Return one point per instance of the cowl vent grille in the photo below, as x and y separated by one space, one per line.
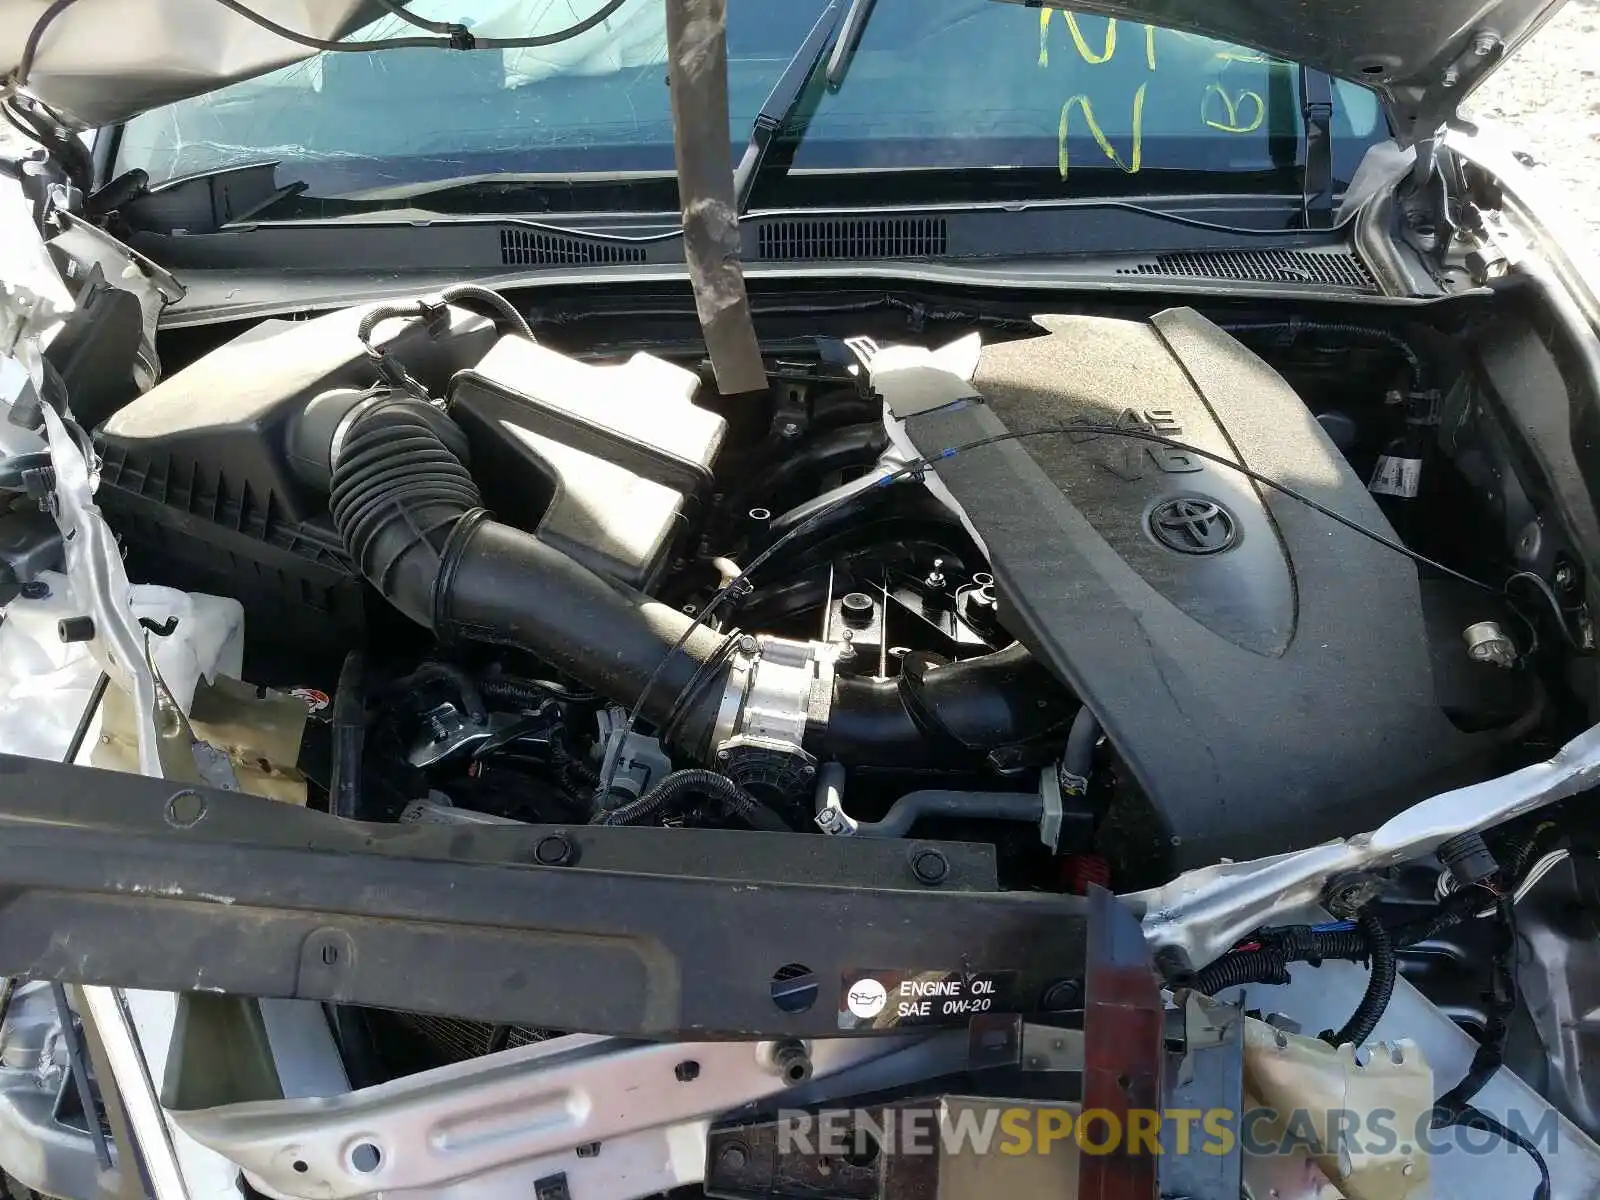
852 237
533 248
1331 268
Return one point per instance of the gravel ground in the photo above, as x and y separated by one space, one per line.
1549 95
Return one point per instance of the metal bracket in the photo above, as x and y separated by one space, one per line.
1201 913
487 1114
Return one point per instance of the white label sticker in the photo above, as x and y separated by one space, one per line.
1396 476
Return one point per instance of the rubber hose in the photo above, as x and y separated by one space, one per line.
942 710
349 738
975 806
679 786
1380 985
398 495
411 519
507 587
1085 732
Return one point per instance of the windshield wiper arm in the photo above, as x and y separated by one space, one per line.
793 92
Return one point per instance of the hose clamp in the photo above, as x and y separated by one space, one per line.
449 560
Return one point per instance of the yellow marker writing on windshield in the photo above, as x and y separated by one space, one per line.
1135 161
1088 55
1251 102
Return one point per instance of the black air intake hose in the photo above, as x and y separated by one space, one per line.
398 496
412 519
971 706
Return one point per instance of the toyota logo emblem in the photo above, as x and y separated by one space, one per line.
1191 525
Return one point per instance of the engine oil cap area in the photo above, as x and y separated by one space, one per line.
878 998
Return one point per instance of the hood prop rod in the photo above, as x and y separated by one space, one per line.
1316 189
697 73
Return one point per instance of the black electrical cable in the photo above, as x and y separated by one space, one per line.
30 48
1267 961
1295 326
1380 984
1502 1002
599 16
14 119
740 583
679 786
458 37
1240 968
530 693
465 293
397 8
1544 589
1469 1117
62 146
1455 1107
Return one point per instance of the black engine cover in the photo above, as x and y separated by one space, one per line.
1263 671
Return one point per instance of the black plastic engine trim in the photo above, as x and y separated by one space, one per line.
1242 744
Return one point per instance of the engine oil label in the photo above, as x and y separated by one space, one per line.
891 999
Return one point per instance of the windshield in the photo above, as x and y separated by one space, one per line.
1087 103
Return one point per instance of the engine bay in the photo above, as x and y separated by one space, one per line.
1087 674
1023 607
